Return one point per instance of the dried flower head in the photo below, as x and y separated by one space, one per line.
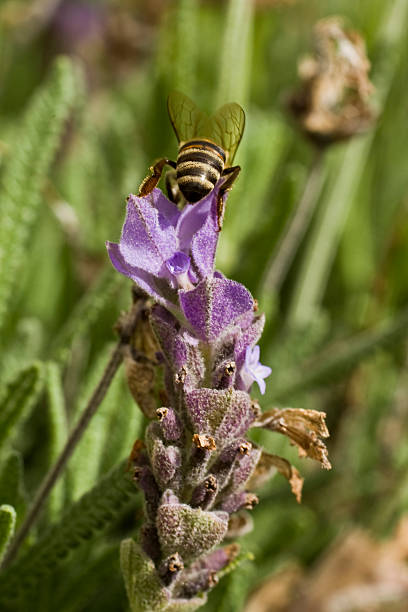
332 103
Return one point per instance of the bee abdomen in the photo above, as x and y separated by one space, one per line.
197 169
199 166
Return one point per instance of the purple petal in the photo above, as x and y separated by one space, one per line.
253 370
254 355
178 264
192 218
263 371
214 305
261 385
168 209
143 279
148 238
198 232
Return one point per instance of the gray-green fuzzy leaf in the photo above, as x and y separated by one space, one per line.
28 163
19 396
93 513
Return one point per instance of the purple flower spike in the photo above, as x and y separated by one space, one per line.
253 370
163 249
196 467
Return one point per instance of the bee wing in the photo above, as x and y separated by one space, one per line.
226 127
186 118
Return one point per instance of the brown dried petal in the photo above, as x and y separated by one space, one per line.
141 378
239 524
303 427
267 467
144 340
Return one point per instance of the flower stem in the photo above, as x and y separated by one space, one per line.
125 328
295 229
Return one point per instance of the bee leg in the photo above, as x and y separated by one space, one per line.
173 190
150 182
232 174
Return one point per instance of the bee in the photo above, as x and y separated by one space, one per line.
207 147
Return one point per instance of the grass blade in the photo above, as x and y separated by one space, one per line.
7 525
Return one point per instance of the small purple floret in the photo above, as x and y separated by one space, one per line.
179 265
253 370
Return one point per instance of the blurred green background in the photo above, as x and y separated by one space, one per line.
77 134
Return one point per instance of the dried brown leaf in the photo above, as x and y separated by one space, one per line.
267 467
305 428
239 524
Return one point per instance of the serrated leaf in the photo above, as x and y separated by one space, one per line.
32 153
95 511
11 484
18 398
7 525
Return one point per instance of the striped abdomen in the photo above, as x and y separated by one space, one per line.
199 166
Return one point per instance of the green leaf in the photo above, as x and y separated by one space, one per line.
7 524
12 485
235 61
18 398
58 429
95 511
32 153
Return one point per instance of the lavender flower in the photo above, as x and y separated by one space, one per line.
253 370
195 466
